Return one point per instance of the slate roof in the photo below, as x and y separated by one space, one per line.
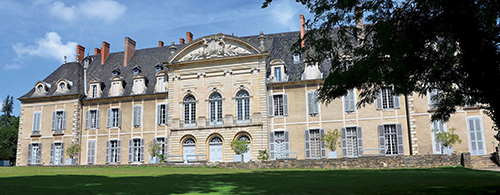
278 45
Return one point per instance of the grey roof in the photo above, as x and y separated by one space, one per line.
278 45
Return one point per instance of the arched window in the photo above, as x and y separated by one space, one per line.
243 106
189 111
216 140
189 142
189 149
215 105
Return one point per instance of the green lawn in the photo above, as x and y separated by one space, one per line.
163 180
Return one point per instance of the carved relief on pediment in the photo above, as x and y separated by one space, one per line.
215 46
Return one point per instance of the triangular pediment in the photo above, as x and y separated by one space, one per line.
214 46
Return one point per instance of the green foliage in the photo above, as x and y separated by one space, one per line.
448 138
9 126
239 146
331 138
154 148
162 157
263 155
413 45
73 150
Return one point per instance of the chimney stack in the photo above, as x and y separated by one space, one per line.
105 51
80 53
189 37
160 44
182 41
129 50
359 25
302 30
97 51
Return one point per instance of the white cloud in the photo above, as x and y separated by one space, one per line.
13 66
283 12
106 10
50 47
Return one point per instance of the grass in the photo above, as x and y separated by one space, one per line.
190 180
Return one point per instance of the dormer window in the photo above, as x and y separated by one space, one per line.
41 88
296 58
136 70
62 86
158 68
161 80
277 74
139 86
95 89
117 86
278 71
115 72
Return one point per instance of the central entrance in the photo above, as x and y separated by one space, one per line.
215 148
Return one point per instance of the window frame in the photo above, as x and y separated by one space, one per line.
215 109
161 117
243 106
189 117
37 123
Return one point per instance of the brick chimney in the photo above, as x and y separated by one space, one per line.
359 26
182 41
302 30
129 50
105 51
97 51
80 53
189 37
160 44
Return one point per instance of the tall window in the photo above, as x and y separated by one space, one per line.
92 119
137 118
215 102
391 141
163 144
116 89
161 84
312 103
433 99
351 141
57 153
37 123
114 117
279 145
387 99
113 151
91 150
277 74
349 101
162 115
34 153
58 121
439 127
243 106
315 139
94 91
136 150
189 111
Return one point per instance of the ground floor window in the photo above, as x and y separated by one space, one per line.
113 151
391 139
57 154
136 150
351 141
34 153
279 145
163 144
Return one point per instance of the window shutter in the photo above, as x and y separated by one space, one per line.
396 101
108 114
87 119
62 153
379 100
39 153
271 146
64 120
270 105
323 147
285 104
52 154
158 114
142 150
399 130
165 148
139 115
287 144
479 135
310 103
98 119
29 153
34 121
119 151
130 149
381 139
346 103
343 141
307 144
119 117
107 150
89 152
166 114
54 121
359 133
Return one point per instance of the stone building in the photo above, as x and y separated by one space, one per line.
196 96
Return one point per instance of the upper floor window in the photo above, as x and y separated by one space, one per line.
433 99
114 117
278 105
243 105
189 110
94 91
162 114
350 101
137 116
158 67
277 74
312 103
92 119
37 123
386 99
215 102
139 86
136 70
296 58
58 121
116 88
160 84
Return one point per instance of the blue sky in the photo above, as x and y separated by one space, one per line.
36 35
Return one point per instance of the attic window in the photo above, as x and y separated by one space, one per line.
62 85
115 72
296 58
136 70
158 67
39 88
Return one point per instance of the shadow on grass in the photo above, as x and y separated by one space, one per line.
402 181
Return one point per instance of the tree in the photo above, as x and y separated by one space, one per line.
9 126
240 147
331 138
414 46
73 150
447 139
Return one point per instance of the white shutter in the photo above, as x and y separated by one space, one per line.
359 133
87 119
130 149
271 146
285 104
307 144
142 150
270 105
54 123
323 147
399 131
108 114
343 141
64 120
381 139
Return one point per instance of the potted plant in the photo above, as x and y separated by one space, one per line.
447 140
154 149
331 138
263 155
72 151
240 147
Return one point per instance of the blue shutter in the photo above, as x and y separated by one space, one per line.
119 117
343 142
287 144
54 121
119 151
381 139
165 148
87 119
52 154
285 104
360 141
307 144
399 131
271 146
64 120
323 147
108 150
130 149
310 104
29 153
62 153
98 119
142 150
379 100
396 101
270 105
108 114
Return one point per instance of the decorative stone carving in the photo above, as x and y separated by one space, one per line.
176 77
214 47
228 72
254 70
201 75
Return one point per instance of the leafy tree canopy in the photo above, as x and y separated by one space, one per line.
413 45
